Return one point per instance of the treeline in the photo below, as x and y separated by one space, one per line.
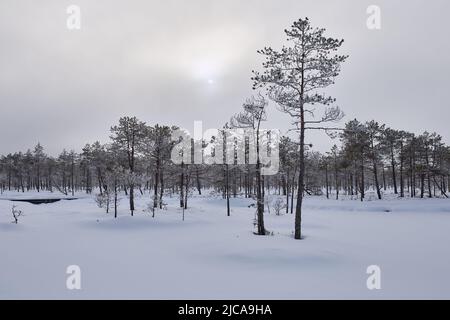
377 157
138 159
373 157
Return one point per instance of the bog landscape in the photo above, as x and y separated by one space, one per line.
124 193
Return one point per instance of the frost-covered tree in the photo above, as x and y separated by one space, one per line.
128 136
156 148
251 118
112 181
288 168
374 131
38 157
295 77
390 143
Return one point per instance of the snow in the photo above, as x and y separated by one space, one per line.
212 256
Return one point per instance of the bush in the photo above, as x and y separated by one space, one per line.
16 214
103 200
278 206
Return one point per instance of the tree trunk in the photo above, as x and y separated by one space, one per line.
182 186
132 199
402 182
301 177
375 169
336 179
259 197
199 187
186 189
227 188
115 197
375 176
362 189
287 192
293 192
394 177
155 194
422 184
161 190
72 178
430 195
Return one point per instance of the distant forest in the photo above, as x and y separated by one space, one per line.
370 157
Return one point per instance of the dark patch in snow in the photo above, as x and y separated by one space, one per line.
41 201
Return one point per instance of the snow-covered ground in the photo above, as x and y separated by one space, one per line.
212 256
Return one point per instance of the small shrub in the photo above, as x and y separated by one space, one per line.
278 206
16 214
103 200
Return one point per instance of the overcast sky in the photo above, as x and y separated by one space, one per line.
177 61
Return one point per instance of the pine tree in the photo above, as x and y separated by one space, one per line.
128 136
293 78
